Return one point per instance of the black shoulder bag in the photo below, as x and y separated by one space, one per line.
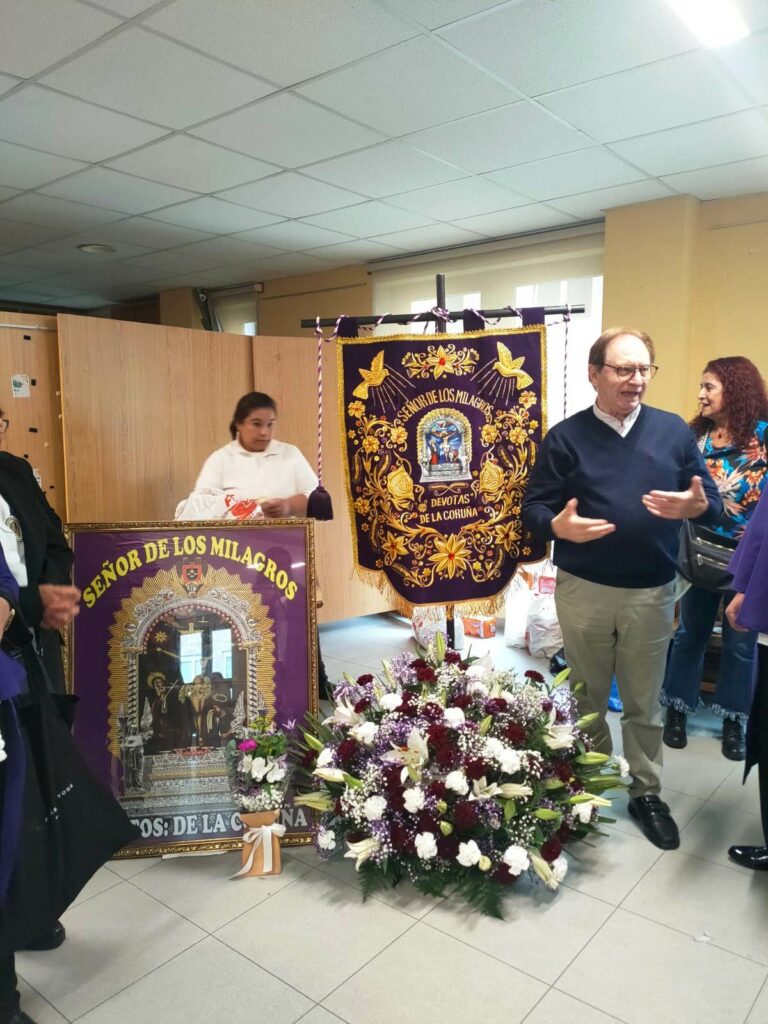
704 556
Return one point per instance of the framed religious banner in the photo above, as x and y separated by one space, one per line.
187 632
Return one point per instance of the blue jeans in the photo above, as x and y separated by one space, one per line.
735 680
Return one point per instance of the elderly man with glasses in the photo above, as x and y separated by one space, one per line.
610 486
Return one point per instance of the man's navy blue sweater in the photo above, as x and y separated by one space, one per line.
584 458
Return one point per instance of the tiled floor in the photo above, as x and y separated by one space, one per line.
635 935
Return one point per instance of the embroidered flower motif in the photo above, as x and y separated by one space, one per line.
451 556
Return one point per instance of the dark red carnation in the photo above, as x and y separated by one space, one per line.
516 734
438 734
337 809
426 674
537 677
356 837
419 663
452 658
437 790
461 700
547 705
464 665
551 849
347 751
465 815
447 846
504 875
362 680
308 759
447 757
476 768
362 705
561 716
401 838
496 706
562 770
427 822
564 833
433 712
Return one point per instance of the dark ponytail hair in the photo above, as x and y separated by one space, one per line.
253 400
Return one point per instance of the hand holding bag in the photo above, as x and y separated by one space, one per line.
704 556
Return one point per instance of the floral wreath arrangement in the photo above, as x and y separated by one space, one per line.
259 774
453 775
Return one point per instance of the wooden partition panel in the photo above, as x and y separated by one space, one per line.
143 406
35 421
286 368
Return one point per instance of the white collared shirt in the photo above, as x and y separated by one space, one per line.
280 471
12 544
622 427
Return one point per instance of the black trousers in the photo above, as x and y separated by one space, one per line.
9 994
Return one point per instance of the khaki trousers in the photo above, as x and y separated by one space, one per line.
613 630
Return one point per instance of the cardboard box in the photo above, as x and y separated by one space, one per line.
482 626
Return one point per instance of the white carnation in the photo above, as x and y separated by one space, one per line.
374 808
623 766
583 811
326 839
390 701
325 757
560 869
454 717
457 781
426 846
365 733
507 757
516 858
469 854
413 798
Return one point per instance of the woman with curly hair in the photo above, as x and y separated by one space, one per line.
732 429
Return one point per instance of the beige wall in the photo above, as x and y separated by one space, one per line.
693 275
285 302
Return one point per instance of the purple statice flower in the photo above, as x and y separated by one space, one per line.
400 667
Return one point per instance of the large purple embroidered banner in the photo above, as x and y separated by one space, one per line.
186 631
440 434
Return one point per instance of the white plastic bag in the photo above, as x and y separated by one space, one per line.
543 635
516 610
425 622
215 504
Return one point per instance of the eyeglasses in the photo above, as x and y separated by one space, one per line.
647 371
4 425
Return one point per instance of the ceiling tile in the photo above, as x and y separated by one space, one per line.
499 138
368 219
594 204
384 170
566 175
456 199
60 124
173 262
117 191
148 76
720 141
435 13
436 236
37 33
23 235
716 182
540 47
291 195
294 263
47 212
221 277
28 168
517 221
143 231
285 42
357 252
193 164
293 234
691 87
63 254
230 250
412 86
37 292
214 216
15 275
747 61
288 131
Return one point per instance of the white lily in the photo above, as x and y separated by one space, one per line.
362 851
343 714
329 774
325 757
543 870
413 756
484 790
515 791
558 737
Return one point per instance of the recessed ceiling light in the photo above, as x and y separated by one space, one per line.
713 22
94 247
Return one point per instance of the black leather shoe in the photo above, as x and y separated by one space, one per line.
674 729
653 817
19 1017
734 747
755 857
51 940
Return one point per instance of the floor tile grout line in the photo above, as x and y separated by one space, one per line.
584 946
763 989
690 935
70 1020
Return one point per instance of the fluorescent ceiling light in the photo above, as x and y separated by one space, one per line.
713 22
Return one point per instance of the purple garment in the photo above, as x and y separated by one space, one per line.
12 681
749 566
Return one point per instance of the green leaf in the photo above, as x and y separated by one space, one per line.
561 677
439 647
352 782
547 814
510 809
485 725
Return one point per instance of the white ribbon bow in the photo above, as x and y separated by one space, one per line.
256 837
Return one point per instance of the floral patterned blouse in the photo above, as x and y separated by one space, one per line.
740 475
